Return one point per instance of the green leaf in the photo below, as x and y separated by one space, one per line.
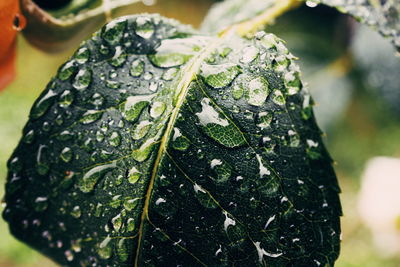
228 12
165 147
379 70
383 16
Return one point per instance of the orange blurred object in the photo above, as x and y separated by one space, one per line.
11 22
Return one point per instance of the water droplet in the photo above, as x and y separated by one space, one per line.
311 3
104 249
263 170
180 142
261 252
76 212
225 52
89 180
65 136
82 79
157 109
219 129
141 129
130 225
134 105
219 76
66 154
59 120
82 55
144 27
41 204
170 74
97 100
131 203
91 116
228 221
41 106
250 53
144 151
115 139
113 32
264 120
175 52
116 201
117 222
119 57
28 137
122 250
42 167
67 70
222 169
209 115
134 175
46 126
294 138
160 200
153 86
258 91
137 68
278 98
237 91
104 50
75 245
235 109
148 76
113 84
69 255
66 99
98 210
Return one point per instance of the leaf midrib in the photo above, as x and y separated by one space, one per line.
190 72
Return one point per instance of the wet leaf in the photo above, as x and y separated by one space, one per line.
228 12
379 70
218 162
383 16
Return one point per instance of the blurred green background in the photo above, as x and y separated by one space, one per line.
363 129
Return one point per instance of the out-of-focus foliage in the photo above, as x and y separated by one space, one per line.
381 15
380 69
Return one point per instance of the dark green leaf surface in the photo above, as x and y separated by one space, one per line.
157 146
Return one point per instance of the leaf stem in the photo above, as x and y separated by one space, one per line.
249 27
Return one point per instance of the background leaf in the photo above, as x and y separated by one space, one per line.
379 71
53 30
229 12
383 16
380 15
